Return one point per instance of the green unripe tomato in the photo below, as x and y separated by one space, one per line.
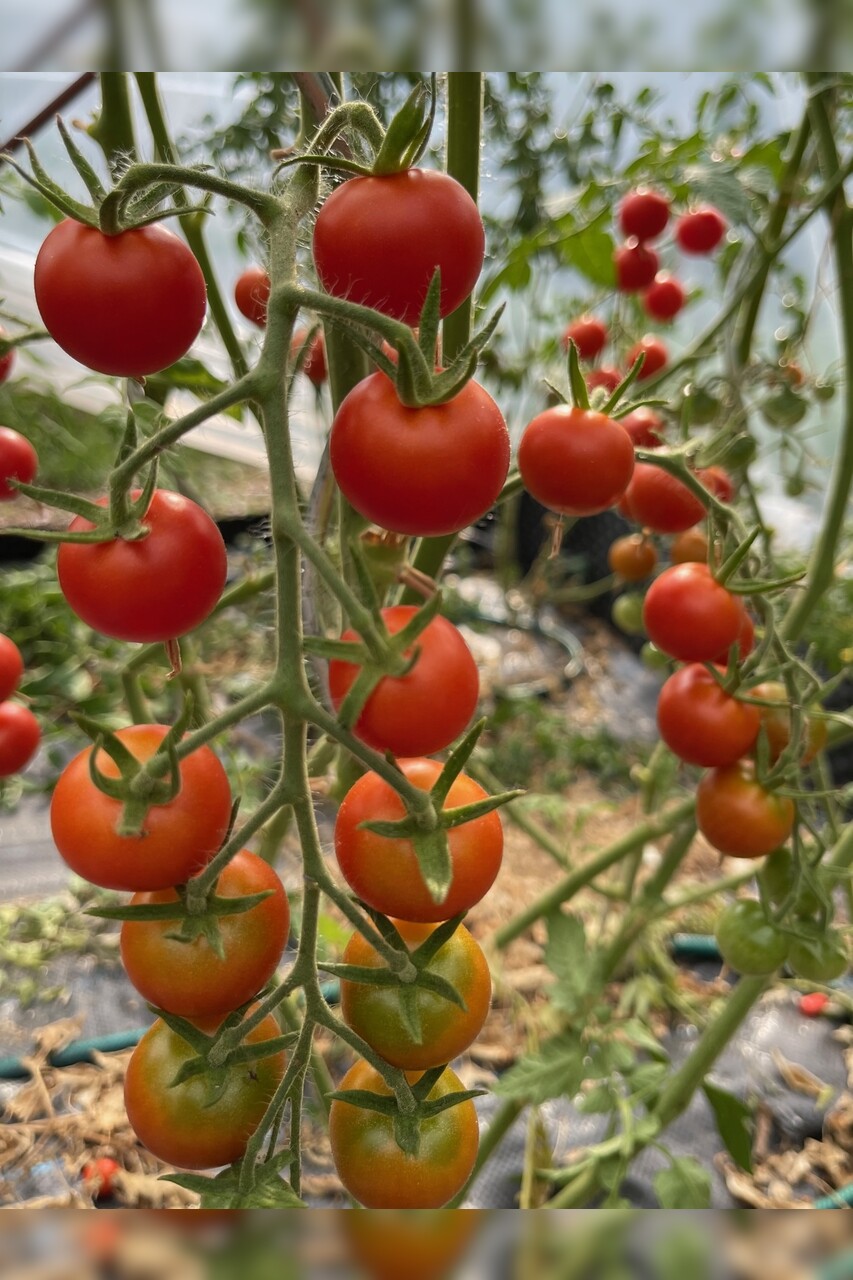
747 942
784 408
741 451
820 958
653 657
778 877
823 390
701 406
627 613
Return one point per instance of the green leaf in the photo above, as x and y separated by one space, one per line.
568 958
635 1031
735 1123
268 1190
684 1185
555 1071
598 1100
591 254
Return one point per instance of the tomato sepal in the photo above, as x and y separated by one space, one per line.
268 1190
235 1057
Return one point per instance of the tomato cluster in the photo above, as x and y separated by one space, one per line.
19 729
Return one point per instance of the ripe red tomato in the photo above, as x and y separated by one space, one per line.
252 293
376 1013
633 557
643 214
155 588
129 304
575 461
656 356
812 1004
691 545
589 336
700 230
314 365
658 500
717 481
99 1175
664 297
425 472
178 838
189 978
689 615
605 376
745 638
202 1122
645 427
636 266
378 241
702 723
11 667
6 361
384 871
18 461
374 1169
777 723
424 710
738 816
19 737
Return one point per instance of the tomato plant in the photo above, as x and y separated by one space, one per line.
636 266
748 942
589 336
658 500
373 1167
151 588
575 461
702 723
128 304
188 977
20 735
177 838
689 615
11 667
665 297
18 461
643 214
426 472
738 816
384 871
204 1121
654 353
378 241
424 710
632 557
700 230
381 1015
252 293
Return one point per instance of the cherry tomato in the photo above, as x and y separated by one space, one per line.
575 461
314 365
252 293
738 816
819 958
18 461
99 1175
777 723
377 1172
689 615
700 230
11 667
745 638
178 838
633 557
425 472
664 297
627 613
636 266
717 481
19 737
423 711
747 941
702 407
6 361
812 1004
655 353
605 376
376 1013
658 500
702 723
189 978
781 878
691 545
643 214
384 871
155 588
431 1242
129 304
378 241
645 427
589 336
204 1121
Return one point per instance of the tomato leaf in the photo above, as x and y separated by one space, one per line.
684 1185
555 1071
568 958
735 1123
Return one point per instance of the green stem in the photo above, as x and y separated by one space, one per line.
464 128
113 128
